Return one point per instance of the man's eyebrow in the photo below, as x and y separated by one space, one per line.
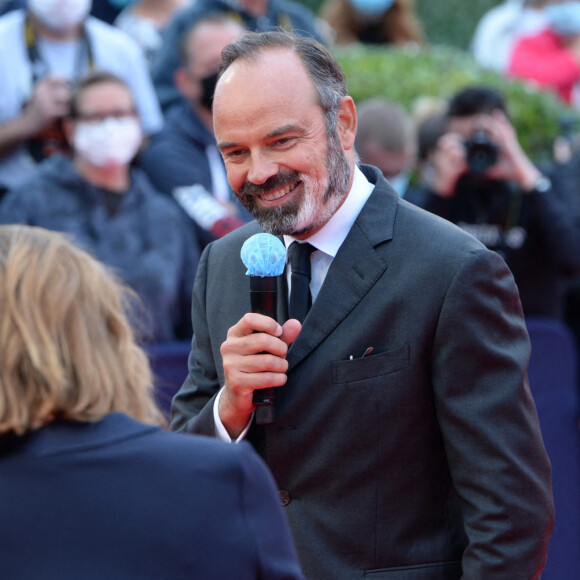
284 129
226 145
275 133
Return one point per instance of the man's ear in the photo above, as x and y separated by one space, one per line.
347 123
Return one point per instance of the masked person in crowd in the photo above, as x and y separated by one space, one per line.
481 179
145 21
90 485
404 438
551 57
373 21
252 14
110 208
46 49
183 160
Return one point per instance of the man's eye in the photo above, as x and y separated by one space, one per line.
284 141
235 154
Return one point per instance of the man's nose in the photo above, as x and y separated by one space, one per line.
262 167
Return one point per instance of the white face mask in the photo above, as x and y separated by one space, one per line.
108 142
60 15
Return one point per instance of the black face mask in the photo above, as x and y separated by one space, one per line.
208 84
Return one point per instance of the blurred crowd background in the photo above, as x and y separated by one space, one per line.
470 109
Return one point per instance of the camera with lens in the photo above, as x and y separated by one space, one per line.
481 152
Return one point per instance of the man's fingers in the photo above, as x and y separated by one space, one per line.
259 363
290 331
252 322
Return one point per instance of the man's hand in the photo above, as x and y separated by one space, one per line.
449 164
254 357
50 101
513 164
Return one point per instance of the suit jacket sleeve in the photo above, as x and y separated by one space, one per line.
489 422
190 411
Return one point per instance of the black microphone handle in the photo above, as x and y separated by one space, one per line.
263 300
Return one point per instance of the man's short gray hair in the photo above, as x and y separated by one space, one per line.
326 74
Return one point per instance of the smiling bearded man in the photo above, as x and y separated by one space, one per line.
295 218
288 167
405 441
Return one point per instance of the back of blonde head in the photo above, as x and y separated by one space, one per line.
67 348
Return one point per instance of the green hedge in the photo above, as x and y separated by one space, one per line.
451 22
439 71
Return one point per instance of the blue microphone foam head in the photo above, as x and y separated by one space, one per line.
263 255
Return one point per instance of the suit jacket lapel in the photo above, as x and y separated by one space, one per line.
353 272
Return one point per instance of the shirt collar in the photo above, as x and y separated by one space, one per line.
331 236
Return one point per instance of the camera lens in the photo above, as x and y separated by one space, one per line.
481 152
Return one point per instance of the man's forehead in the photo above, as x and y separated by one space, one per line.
468 124
272 76
112 90
279 63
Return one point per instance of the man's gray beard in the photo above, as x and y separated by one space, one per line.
297 217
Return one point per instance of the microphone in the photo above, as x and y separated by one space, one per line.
264 255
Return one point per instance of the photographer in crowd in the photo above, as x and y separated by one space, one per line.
480 178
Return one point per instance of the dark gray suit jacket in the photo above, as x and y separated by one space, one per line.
423 460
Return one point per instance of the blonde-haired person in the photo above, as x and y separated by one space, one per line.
90 485
110 207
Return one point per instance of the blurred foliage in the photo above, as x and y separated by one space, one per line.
451 22
439 72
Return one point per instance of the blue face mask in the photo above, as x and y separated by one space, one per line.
564 19
371 7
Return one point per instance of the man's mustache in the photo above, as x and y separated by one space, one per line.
250 189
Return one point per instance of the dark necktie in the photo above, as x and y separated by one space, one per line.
300 297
